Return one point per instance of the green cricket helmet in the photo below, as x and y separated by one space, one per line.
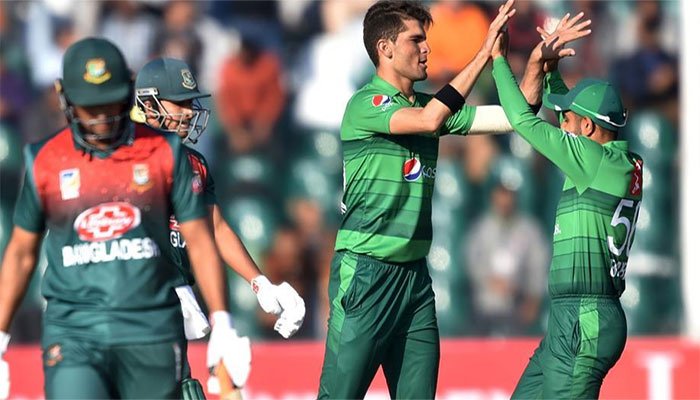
95 73
171 79
593 98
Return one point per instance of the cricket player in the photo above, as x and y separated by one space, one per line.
594 228
382 303
103 190
167 97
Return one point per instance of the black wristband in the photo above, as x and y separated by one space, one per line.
450 97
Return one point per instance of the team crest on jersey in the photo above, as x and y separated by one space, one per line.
96 71
380 100
412 169
69 183
636 181
53 355
188 81
141 178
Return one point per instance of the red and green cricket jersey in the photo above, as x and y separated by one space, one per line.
599 204
177 243
109 277
389 179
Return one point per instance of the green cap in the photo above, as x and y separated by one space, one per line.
592 98
167 79
95 73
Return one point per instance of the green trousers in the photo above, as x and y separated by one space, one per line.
381 315
585 338
76 369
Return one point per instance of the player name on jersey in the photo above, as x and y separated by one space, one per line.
121 249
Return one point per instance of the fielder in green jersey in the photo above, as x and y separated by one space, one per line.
103 190
382 303
594 228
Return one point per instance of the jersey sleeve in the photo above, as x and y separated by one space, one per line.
368 113
460 122
29 213
553 83
578 157
201 167
187 194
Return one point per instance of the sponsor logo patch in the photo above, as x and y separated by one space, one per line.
141 178
69 183
636 181
380 100
412 169
197 185
107 221
96 71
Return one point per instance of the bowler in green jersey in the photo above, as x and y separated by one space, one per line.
382 310
595 221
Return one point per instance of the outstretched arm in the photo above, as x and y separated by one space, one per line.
545 57
415 120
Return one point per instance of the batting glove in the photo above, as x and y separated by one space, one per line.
196 324
4 368
266 294
225 345
294 312
281 300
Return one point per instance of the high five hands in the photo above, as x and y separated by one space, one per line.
551 48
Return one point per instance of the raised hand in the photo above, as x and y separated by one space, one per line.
497 27
567 30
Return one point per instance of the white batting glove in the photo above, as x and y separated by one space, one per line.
225 345
266 294
196 324
4 368
294 312
281 300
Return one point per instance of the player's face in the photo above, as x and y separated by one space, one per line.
99 120
571 123
411 52
178 116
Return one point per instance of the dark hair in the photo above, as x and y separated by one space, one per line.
384 20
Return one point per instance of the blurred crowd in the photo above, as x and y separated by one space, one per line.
281 73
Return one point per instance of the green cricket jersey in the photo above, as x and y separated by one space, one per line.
109 278
599 205
389 179
177 243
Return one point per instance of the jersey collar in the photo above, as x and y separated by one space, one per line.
617 145
384 86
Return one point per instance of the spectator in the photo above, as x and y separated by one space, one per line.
650 73
507 265
250 97
454 19
133 30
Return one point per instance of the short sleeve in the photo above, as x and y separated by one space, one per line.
187 195
460 122
29 213
368 113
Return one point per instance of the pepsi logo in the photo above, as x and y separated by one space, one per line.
412 169
380 100
107 221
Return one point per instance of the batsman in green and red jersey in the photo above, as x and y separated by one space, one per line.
167 98
595 221
103 190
